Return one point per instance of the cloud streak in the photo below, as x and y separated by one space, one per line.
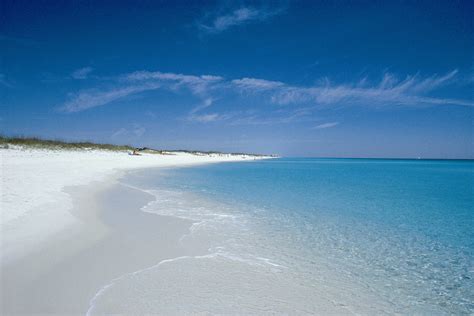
253 84
196 84
411 91
214 23
85 100
205 104
208 117
389 91
326 125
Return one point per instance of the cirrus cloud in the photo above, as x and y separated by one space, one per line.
326 125
413 90
219 22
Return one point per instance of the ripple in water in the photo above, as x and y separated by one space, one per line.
311 236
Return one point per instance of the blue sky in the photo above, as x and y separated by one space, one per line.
296 78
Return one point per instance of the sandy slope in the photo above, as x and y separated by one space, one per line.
34 205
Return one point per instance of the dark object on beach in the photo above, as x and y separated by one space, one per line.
134 153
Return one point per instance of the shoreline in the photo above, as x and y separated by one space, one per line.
35 207
116 238
158 240
67 222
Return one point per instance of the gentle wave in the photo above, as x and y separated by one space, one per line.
364 237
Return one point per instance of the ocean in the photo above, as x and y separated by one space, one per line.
304 235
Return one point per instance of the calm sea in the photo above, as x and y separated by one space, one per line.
362 235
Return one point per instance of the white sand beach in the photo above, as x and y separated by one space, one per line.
56 225
95 232
34 205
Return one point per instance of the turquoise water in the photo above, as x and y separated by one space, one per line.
371 235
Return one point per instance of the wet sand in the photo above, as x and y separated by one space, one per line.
114 238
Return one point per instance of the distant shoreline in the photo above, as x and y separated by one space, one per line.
42 143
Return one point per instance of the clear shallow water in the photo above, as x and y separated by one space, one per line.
314 235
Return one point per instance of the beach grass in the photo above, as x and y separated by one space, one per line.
41 143
56 144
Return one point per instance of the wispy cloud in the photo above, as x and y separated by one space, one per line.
82 73
256 84
219 22
197 84
410 91
205 104
388 91
195 115
138 82
326 125
209 117
85 100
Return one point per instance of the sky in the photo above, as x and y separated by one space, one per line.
293 78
